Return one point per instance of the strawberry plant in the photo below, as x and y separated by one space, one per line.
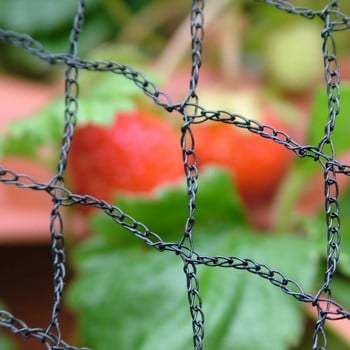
231 300
113 264
126 136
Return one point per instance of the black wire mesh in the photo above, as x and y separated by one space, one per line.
192 113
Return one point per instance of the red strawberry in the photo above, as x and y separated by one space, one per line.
136 154
89 161
257 164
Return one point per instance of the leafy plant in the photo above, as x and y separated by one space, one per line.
119 282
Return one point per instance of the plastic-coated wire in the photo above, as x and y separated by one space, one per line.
192 112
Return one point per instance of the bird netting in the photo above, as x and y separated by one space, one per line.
191 110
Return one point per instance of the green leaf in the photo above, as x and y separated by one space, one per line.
105 97
319 115
25 136
6 344
218 206
340 291
46 16
119 276
306 169
344 208
136 299
50 22
257 308
96 30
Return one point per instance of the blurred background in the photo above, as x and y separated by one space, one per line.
253 55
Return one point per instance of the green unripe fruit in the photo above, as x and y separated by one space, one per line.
293 56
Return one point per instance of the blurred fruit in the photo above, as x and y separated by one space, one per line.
136 154
257 164
293 56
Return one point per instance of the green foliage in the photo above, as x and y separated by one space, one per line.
340 139
166 211
125 294
137 297
45 16
6 344
50 23
319 116
344 262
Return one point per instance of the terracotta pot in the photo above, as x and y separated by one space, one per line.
24 213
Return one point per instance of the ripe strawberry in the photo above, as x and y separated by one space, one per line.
256 164
90 161
136 154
